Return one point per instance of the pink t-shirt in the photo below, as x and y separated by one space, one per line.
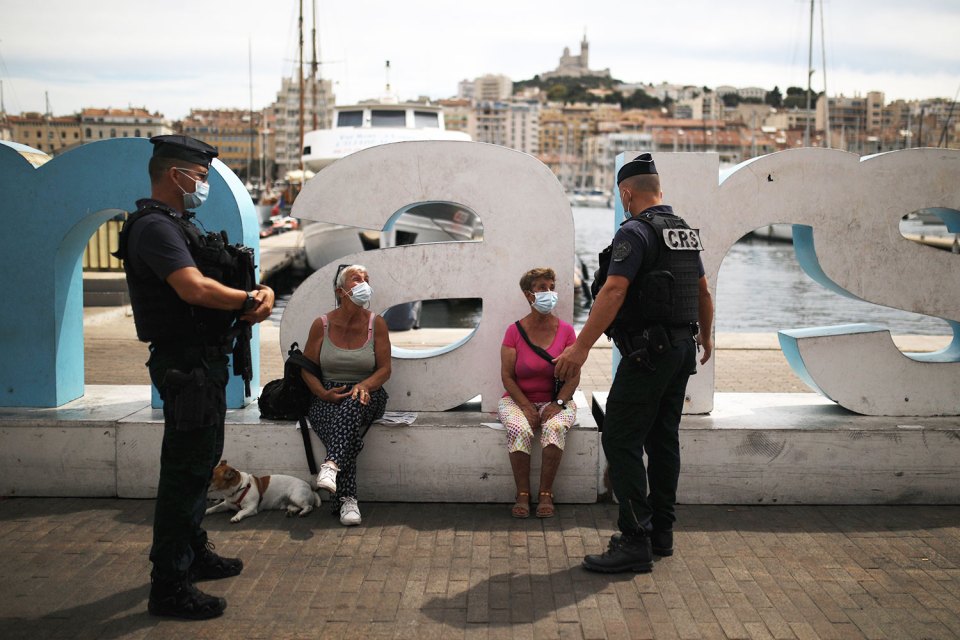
534 374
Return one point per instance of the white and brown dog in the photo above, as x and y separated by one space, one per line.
247 494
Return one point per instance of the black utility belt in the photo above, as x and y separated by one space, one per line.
202 349
678 332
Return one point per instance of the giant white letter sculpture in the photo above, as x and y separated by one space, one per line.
526 223
850 208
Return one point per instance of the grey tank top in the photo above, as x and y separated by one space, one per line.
347 365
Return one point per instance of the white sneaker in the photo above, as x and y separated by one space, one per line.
327 478
349 512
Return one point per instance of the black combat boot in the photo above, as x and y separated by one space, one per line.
624 553
180 599
661 542
209 566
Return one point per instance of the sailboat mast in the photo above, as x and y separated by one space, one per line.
253 130
806 132
826 96
313 67
301 88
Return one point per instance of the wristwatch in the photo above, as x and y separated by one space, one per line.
562 403
249 303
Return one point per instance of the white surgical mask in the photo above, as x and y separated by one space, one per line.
360 294
544 301
199 195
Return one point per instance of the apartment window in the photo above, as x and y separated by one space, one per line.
113 133
136 133
89 133
100 134
39 134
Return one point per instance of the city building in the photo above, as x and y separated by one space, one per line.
284 120
459 115
857 114
523 126
235 132
50 134
6 131
493 87
575 66
491 123
601 152
103 124
789 119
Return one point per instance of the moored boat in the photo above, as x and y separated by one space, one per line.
368 124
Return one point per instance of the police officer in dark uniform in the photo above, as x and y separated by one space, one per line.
656 305
184 305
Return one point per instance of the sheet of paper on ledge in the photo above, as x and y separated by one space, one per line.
397 417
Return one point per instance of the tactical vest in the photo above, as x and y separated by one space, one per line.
159 314
668 292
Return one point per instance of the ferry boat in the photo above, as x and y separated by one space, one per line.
364 125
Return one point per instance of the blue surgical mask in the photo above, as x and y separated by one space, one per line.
544 301
199 195
360 294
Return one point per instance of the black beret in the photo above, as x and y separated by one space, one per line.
183 148
641 165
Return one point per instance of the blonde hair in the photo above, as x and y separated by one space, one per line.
342 274
536 274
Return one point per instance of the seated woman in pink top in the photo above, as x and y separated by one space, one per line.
534 399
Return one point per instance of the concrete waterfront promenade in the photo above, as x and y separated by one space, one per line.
77 568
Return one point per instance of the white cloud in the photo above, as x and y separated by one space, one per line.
181 54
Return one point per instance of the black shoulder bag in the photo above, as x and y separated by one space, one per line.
557 384
289 397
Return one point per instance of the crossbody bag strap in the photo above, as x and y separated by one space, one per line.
540 351
306 363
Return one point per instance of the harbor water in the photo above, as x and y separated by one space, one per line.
761 288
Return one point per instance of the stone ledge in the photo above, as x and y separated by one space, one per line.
754 448
107 444
800 448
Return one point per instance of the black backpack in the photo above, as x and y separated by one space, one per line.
289 397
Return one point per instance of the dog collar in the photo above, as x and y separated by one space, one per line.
243 494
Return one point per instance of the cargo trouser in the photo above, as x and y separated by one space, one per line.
192 383
643 414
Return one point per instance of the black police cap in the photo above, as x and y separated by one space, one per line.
183 148
641 165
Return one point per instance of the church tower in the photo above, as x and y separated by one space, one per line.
585 52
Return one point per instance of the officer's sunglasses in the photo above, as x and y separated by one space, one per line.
200 176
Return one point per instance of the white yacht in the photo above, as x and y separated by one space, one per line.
365 125
371 123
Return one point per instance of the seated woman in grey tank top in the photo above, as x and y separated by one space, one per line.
352 347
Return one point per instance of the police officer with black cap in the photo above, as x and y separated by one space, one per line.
186 311
655 304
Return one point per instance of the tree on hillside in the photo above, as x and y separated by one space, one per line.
797 98
731 100
774 98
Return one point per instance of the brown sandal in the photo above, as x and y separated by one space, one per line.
521 510
545 510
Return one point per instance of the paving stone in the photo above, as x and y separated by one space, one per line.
780 572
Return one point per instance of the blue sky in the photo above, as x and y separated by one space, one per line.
175 55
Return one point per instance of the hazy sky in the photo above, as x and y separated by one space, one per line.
171 56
